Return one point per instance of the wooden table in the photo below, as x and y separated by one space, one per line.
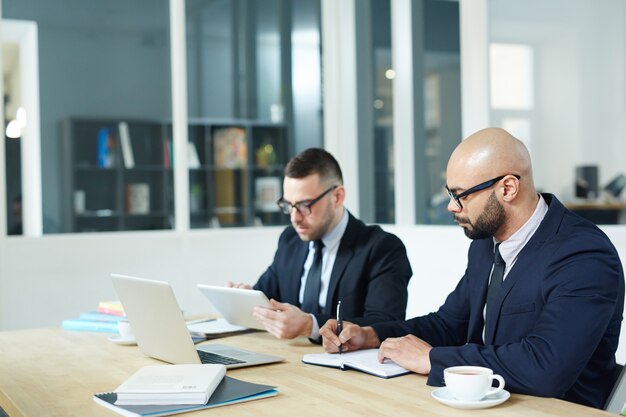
52 372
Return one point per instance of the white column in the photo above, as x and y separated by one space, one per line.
339 84
24 34
3 184
403 111
32 218
474 16
179 113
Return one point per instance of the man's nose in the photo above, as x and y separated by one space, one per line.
295 214
453 207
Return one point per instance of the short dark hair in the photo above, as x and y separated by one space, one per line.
315 161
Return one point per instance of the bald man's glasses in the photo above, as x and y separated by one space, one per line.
482 186
303 207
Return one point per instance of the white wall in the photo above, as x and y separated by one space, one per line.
48 279
579 114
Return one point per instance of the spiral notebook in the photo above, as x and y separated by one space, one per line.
229 391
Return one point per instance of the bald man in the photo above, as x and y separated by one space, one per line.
542 297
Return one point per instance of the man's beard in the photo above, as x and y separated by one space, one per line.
489 221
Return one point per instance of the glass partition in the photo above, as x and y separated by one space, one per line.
104 78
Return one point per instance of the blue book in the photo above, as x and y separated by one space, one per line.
89 326
103 147
97 316
229 391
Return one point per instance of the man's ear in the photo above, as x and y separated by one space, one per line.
510 188
339 195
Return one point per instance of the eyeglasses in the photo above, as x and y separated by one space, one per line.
303 207
482 186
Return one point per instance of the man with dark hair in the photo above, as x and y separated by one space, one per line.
542 297
327 256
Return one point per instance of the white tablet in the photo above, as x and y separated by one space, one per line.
236 304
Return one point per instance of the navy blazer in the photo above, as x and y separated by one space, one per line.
370 274
555 326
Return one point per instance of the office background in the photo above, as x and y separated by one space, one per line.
317 70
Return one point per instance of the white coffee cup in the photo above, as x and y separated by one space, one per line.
126 333
471 383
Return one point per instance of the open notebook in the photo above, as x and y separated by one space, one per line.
361 360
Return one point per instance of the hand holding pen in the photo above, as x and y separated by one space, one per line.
339 322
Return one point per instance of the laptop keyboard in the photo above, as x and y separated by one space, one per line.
209 357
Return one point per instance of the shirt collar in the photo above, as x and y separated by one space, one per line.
510 248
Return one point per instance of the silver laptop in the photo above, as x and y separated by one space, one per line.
160 330
236 304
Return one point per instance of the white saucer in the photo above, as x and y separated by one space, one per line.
119 340
443 396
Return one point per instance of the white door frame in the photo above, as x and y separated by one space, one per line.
24 34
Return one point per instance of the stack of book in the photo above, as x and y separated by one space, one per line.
162 390
104 319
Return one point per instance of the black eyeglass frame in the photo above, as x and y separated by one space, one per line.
482 186
286 207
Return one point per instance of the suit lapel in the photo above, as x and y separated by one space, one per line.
526 257
344 255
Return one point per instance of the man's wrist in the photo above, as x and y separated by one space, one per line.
311 328
371 338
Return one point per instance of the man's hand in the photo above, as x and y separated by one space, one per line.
353 337
284 320
409 352
241 285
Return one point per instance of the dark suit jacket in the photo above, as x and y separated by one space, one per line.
556 321
370 274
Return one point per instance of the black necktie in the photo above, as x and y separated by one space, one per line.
310 300
495 281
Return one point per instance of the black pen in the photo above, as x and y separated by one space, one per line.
339 322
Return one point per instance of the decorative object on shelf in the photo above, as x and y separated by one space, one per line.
79 201
267 193
265 155
195 198
138 198
230 147
127 148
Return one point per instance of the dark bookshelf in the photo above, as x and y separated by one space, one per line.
115 196
234 182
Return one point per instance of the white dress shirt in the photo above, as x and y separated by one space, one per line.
331 241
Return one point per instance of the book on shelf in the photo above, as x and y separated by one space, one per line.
193 160
98 316
138 198
106 155
267 192
111 307
83 325
170 385
168 162
127 148
361 360
230 148
229 391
